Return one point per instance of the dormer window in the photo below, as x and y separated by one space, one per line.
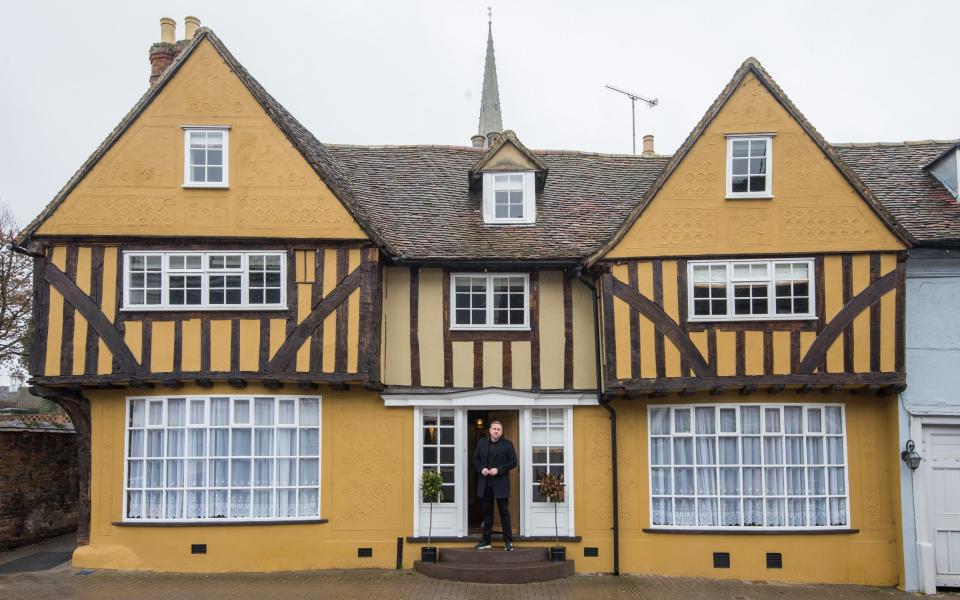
749 162
509 198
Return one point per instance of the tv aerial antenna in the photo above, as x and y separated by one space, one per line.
633 108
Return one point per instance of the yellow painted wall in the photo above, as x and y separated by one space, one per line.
813 208
136 189
366 493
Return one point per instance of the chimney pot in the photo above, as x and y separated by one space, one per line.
168 30
493 138
648 146
478 141
190 27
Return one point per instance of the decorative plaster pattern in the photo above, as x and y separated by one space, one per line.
296 213
265 163
209 90
118 211
805 225
703 170
200 212
679 228
749 225
146 160
751 105
365 474
802 169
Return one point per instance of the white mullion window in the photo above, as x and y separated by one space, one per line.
751 290
162 280
490 301
750 166
222 458
509 198
205 157
438 449
547 446
750 466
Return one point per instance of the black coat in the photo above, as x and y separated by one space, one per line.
507 459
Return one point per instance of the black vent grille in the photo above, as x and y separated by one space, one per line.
774 560
721 560
198 548
591 552
364 552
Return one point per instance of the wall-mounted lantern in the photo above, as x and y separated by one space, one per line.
910 456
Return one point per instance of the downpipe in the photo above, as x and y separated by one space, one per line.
605 403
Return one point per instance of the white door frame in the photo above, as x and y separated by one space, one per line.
491 399
922 484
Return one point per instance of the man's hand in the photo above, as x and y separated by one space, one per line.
485 472
492 471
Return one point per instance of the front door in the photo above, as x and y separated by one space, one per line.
942 458
478 422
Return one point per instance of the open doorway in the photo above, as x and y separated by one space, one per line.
478 421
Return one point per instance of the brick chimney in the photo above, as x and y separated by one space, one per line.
648 147
163 52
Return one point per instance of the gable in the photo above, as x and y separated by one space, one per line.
815 207
135 188
509 158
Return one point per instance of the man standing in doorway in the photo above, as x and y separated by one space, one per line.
493 460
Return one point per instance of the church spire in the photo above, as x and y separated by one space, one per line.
490 118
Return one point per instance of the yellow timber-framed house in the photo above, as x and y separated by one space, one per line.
265 339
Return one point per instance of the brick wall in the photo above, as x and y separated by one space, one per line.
38 485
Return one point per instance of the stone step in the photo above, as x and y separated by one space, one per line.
496 573
495 555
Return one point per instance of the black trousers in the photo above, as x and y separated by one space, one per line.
504 505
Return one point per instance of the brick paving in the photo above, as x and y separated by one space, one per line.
62 582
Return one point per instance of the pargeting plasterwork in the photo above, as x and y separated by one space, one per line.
147 158
367 476
683 227
124 211
815 224
749 225
297 213
266 159
208 89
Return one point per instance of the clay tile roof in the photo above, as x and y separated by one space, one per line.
421 198
895 174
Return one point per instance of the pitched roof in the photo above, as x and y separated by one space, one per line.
751 65
315 153
895 174
419 196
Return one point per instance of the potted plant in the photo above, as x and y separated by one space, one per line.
551 486
431 488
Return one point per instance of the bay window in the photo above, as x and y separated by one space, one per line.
223 458
749 466
208 280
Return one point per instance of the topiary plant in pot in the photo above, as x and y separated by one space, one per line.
552 487
431 489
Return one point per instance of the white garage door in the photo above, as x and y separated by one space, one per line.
942 454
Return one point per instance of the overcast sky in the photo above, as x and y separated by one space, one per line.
410 72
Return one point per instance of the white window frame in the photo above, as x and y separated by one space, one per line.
767 193
489 308
529 199
771 290
187 175
804 435
204 272
209 427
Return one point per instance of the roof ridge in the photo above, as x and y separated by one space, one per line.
399 146
889 144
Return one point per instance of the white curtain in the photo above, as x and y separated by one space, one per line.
706 482
834 420
706 420
683 482
815 450
681 420
751 450
660 481
794 450
818 511
240 503
795 481
796 512
683 451
793 419
749 419
772 450
730 482
662 511
308 503
776 510
176 412
707 509
774 481
835 450
837 481
685 512
816 484
838 511
659 421
136 413
728 420
660 451
263 411
752 481
771 420
752 512
220 411
729 454
730 511
263 503
706 450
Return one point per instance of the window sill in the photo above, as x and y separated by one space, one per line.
422 539
748 319
696 531
199 307
749 197
216 523
200 186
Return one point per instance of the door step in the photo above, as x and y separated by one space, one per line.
523 565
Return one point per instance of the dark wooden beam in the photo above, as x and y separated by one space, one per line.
831 389
688 392
867 389
273 384
374 386
205 383
339 386
307 385
805 389
658 393
237 383
717 390
140 384
890 390
775 389
172 383
748 389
